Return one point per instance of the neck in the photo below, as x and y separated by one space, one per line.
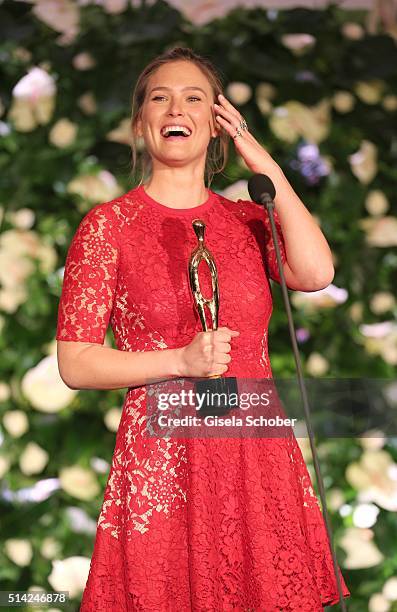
176 187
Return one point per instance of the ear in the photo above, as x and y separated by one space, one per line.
214 126
216 134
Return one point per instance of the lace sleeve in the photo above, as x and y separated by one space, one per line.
89 280
270 250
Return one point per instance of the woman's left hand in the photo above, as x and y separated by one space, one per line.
254 155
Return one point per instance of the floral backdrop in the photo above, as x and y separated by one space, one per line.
319 90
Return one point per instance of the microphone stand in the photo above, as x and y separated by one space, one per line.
268 202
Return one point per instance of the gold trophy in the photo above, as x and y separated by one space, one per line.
219 386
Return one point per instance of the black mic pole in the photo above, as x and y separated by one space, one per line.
259 187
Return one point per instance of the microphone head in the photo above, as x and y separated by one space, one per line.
258 186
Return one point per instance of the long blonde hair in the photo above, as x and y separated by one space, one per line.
217 152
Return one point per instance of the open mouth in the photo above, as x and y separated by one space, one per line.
175 132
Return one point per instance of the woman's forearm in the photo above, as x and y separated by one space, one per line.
102 367
309 258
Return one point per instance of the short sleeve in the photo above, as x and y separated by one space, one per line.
270 249
89 280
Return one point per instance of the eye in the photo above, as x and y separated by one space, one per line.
190 98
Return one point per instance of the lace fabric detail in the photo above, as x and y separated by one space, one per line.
90 279
192 524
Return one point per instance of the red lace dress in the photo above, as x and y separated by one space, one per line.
197 524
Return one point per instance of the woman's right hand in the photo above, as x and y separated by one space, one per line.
207 354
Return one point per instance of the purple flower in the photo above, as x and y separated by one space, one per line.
302 334
310 163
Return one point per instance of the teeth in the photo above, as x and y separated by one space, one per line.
173 128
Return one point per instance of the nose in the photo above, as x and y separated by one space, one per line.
175 107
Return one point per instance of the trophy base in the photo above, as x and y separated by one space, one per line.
216 393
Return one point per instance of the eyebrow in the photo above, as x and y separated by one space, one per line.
183 89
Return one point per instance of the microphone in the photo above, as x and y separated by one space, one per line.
262 191
261 188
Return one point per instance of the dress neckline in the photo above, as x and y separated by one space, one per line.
177 211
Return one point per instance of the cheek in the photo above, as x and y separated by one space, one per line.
204 118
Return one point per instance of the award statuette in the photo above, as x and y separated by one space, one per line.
216 386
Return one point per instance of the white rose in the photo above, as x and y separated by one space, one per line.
70 575
35 587
61 16
43 386
343 101
33 101
369 92
374 439
21 53
16 422
376 202
11 298
4 392
50 547
115 7
382 302
122 133
374 477
16 248
381 232
95 188
329 297
390 103
353 30
390 589
87 103
265 106
378 603
33 459
112 418
264 94
365 515
239 93
316 364
294 119
19 551
83 61
298 43
361 550
265 90
79 482
335 499
388 348
23 218
37 83
63 133
364 163
356 312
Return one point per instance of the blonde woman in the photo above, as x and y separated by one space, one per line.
196 524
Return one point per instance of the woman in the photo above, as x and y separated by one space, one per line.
197 524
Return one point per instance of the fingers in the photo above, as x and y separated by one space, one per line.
229 107
222 358
231 117
225 333
215 348
225 346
